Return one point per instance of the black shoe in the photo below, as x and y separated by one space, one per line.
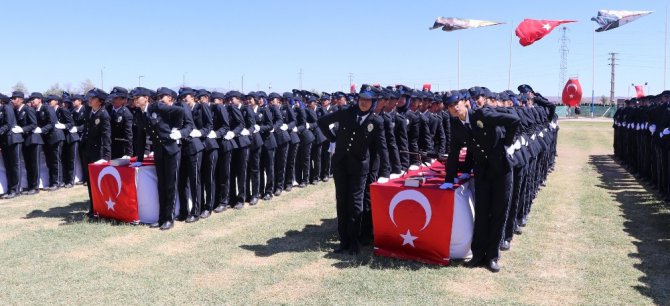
267 197
505 245
325 179
30 192
52 188
476 261
314 182
167 225
154 225
221 208
67 186
288 188
205 214
191 219
90 215
518 230
253 201
354 249
340 249
301 185
493 266
277 192
239 206
9 196
180 218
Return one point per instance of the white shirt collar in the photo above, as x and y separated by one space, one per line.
363 117
467 119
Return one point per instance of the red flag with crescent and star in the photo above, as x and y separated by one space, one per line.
639 91
113 192
572 93
412 223
532 30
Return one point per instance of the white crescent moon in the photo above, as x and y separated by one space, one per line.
411 195
573 85
109 170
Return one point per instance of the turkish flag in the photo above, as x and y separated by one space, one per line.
531 30
639 90
352 88
412 223
426 86
572 93
113 192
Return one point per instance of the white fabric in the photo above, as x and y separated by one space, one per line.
463 223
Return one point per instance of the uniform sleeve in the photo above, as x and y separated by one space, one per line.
206 119
187 125
382 149
106 134
128 131
509 121
327 120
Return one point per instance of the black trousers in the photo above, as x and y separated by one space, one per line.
167 171
510 224
302 163
11 155
239 175
315 171
253 173
189 184
223 177
349 189
325 160
31 157
70 153
84 162
208 179
281 154
492 196
53 154
366 216
267 176
289 175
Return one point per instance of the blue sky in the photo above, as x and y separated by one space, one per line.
213 44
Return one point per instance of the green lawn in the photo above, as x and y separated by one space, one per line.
595 236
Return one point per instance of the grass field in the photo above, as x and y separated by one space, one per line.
595 236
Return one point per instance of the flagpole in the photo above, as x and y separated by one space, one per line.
458 59
665 53
509 69
593 80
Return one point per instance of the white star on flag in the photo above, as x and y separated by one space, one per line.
110 204
546 26
408 238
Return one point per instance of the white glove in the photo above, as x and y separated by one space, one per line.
517 145
244 132
509 150
229 135
331 126
464 176
211 135
195 133
135 164
652 128
283 127
272 130
295 130
73 130
533 137
125 157
382 180
60 126
17 130
37 130
101 161
524 142
666 131
151 154
541 134
176 135
447 186
394 176
257 128
637 127
413 167
331 147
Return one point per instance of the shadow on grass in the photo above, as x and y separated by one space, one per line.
323 238
72 213
648 221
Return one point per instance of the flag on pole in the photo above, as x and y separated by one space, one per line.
449 24
639 91
531 30
608 19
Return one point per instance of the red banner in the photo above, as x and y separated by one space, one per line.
639 90
413 223
572 93
113 192
531 30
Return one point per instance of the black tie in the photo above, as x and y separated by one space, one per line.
360 120
468 128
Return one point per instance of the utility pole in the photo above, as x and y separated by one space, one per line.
613 64
300 78
139 80
563 49
102 78
243 83
183 80
351 79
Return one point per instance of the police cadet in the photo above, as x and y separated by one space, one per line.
302 162
269 127
242 119
79 118
64 123
52 138
290 120
359 132
326 108
122 123
204 122
97 134
311 111
388 115
225 128
188 183
283 139
435 127
481 131
11 138
402 119
254 161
